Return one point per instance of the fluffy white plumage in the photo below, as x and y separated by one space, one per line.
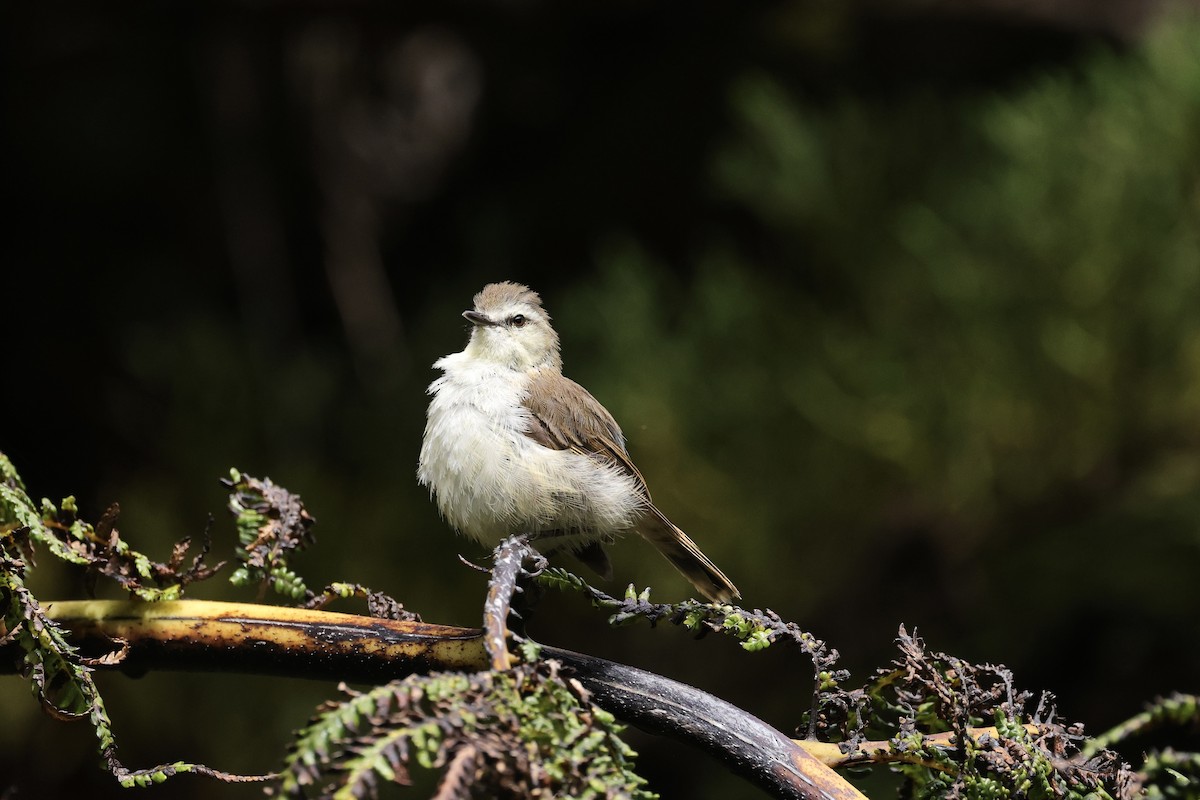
491 480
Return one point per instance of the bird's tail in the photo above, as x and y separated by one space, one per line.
681 551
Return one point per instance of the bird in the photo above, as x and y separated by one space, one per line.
513 447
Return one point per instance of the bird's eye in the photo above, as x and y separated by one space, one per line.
517 320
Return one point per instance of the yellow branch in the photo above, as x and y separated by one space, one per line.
881 751
272 638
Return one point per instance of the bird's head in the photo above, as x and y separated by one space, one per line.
510 327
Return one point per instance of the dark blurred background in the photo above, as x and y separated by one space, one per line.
898 304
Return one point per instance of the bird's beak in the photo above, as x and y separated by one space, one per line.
475 318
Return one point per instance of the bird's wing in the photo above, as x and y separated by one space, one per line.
565 416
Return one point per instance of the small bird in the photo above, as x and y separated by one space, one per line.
512 446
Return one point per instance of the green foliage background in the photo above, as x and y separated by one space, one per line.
907 350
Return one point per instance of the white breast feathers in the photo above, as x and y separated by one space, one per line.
491 480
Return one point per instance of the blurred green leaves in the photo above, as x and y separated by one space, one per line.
947 347
1015 309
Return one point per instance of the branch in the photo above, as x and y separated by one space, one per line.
196 635
882 752
510 557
